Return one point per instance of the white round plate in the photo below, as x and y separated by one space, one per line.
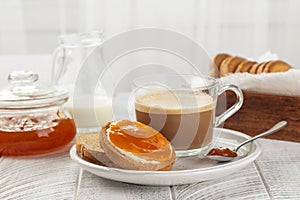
185 170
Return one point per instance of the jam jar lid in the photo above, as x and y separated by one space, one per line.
25 93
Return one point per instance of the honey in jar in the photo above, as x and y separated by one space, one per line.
32 118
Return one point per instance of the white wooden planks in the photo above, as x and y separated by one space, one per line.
51 177
93 187
275 175
245 184
279 166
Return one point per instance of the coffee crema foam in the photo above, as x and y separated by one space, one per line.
174 102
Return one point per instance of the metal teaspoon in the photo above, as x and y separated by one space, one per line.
230 154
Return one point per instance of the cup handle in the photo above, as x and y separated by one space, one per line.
234 108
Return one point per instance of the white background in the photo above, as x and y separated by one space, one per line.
247 28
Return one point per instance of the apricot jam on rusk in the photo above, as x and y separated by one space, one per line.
140 140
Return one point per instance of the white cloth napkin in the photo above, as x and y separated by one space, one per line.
281 83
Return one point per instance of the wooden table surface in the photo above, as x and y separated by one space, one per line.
274 175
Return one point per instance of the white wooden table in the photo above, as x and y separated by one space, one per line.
275 175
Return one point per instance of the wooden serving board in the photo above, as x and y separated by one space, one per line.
261 111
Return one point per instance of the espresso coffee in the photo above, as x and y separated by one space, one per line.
185 118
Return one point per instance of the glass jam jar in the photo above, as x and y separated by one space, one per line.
32 118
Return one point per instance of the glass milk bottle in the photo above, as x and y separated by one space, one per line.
73 51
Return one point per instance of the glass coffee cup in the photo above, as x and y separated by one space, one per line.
182 108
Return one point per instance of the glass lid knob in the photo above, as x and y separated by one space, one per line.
23 77
24 83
